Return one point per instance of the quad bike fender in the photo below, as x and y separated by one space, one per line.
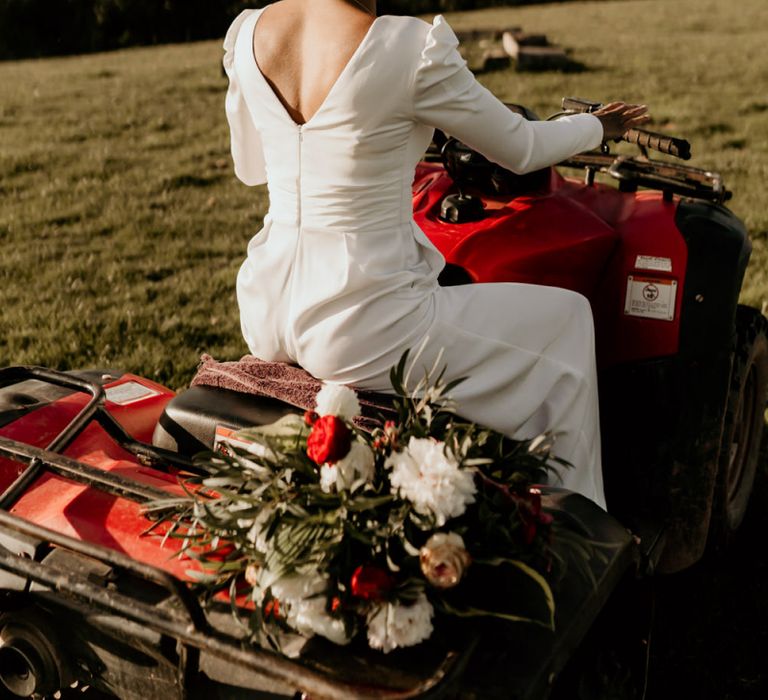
718 253
662 456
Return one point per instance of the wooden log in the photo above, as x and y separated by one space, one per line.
531 39
495 59
513 41
494 34
535 58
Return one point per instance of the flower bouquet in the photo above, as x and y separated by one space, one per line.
316 527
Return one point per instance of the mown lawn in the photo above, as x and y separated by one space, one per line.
122 226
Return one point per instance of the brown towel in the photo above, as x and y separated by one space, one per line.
288 383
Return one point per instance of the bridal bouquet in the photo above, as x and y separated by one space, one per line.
316 527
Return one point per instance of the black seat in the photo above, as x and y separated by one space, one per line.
188 423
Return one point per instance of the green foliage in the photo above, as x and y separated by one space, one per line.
123 227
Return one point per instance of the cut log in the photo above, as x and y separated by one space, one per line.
513 41
466 35
495 59
536 58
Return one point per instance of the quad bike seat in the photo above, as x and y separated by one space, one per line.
189 422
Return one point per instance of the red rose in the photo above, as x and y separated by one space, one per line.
329 440
310 417
371 583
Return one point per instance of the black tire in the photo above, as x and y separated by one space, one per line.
743 427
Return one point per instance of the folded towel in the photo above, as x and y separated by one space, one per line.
288 383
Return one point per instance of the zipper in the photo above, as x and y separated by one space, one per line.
298 182
289 335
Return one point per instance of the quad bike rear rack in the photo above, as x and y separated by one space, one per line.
180 616
81 581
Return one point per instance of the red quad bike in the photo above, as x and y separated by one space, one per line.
87 599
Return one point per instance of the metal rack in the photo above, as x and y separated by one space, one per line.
181 617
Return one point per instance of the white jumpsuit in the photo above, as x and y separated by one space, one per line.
341 280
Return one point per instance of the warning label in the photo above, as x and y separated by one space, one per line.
650 297
228 436
652 262
129 392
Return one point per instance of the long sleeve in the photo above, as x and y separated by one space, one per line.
246 145
447 96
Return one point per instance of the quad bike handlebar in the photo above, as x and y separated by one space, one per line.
680 148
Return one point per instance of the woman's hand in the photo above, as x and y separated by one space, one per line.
617 118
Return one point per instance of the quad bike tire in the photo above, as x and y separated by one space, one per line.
743 427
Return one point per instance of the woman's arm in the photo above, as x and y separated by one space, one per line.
447 96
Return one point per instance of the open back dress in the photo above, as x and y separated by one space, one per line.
341 281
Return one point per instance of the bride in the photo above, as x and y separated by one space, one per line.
333 107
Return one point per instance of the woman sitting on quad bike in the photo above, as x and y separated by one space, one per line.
333 107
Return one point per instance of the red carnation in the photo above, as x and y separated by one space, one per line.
371 582
329 440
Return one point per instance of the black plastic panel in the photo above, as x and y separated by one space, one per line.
718 253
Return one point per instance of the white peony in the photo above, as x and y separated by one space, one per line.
391 626
430 480
337 400
302 606
356 469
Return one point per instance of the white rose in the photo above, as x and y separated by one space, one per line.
337 400
430 480
351 472
391 626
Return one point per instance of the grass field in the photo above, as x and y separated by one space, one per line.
122 226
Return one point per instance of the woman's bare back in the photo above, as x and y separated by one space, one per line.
302 47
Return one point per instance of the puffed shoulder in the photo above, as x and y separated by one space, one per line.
441 47
231 38
440 58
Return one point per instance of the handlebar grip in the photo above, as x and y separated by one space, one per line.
579 104
679 148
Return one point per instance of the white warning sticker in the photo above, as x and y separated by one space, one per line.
228 436
650 297
129 392
652 262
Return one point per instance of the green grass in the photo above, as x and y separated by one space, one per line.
122 226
